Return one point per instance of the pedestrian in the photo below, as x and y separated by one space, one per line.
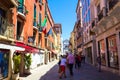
83 58
70 62
63 67
99 63
77 61
59 69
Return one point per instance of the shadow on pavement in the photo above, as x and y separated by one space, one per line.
86 72
52 74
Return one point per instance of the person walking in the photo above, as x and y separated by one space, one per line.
99 63
62 67
77 61
70 62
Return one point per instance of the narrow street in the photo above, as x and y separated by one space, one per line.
86 72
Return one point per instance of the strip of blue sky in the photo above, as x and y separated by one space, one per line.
64 12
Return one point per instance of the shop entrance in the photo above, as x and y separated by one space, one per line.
4 63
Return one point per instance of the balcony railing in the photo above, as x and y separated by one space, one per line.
34 23
40 29
40 2
6 29
15 2
22 9
112 3
20 38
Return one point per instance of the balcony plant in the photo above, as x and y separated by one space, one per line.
26 12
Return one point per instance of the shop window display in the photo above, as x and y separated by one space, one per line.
102 52
4 62
113 52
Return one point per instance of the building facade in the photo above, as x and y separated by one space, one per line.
79 29
88 39
24 29
72 42
58 31
107 30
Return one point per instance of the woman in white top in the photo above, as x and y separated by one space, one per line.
62 67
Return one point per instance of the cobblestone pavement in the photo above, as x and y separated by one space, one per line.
86 72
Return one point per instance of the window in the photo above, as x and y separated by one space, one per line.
113 52
34 11
21 5
45 9
40 1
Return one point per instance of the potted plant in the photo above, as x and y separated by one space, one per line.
16 61
28 61
26 12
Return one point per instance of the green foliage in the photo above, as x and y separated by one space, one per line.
26 11
28 60
16 60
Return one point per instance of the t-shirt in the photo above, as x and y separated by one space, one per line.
63 61
70 59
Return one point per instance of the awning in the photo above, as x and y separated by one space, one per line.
11 47
27 47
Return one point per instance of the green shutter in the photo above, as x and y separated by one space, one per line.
20 7
34 11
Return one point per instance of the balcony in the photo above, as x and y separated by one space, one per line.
6 29
35 23
9 3
40 2
112 18
22 11
114 10
112 3
31 41
40 29
20 38
15 2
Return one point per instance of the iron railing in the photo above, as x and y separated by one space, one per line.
22 9
20 38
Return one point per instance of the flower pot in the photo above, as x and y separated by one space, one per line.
27 71
15 76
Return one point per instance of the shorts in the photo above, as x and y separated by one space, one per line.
62 68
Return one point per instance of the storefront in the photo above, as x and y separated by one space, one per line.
4 63
37 59
113 52
102 53
88 52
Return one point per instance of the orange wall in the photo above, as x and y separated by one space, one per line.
14 18
28 25
28 22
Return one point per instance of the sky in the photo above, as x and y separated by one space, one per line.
64 12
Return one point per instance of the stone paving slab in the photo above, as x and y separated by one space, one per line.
86 72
